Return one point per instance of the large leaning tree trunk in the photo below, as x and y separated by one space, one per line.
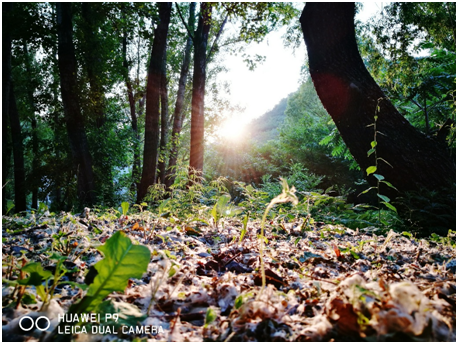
353 98
153 89
196 161
75 123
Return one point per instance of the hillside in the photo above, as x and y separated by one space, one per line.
266 127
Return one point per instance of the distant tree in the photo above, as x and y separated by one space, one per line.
352 98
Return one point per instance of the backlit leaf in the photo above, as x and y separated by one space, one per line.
371 169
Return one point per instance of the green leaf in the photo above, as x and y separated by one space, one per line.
57 257
242 234
245 221
239 302
367 190
389 184
370 151
373 144
379 176
123 260
214 214
96 229
129 314
125 208
354 254
41 292
383 197
36 274
172 271
9 205
371 169
210 316
29 299
390 206
74 284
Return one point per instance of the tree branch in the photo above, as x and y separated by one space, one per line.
212 49
184 23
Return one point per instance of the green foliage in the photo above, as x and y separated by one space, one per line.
425 212
379 178
223 208
414 60
34 275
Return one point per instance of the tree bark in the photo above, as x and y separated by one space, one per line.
152 114
164 127
9 109
179 105
34 175
75 124
353 98
18 154
6 85
196 160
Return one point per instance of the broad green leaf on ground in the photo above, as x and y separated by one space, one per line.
123 260
36 274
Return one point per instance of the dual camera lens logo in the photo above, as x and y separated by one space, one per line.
27 323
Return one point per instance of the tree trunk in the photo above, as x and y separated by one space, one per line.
6 150
92 58
133 116
34 175
196 160
153 86
9 109
179 105
353 98
6 85
18 154
164 127
75 124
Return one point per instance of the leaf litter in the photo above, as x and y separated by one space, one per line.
203 281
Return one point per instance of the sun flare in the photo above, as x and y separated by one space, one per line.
232 129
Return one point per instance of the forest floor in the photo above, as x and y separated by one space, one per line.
204 283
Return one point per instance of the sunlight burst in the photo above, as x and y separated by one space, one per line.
232 129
